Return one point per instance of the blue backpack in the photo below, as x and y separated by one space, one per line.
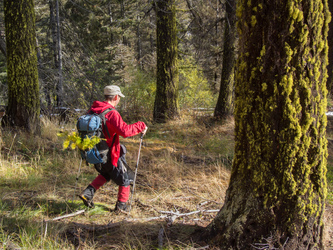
89 125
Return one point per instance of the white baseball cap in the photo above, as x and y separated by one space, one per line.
112 90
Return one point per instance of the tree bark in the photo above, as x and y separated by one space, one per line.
60 87
23 88
122 14
277 190
3 46
49 88
2 36
224 106
166 99
139 43
330 52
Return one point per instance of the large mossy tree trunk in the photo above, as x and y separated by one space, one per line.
224 105
23 89
166 99
277 189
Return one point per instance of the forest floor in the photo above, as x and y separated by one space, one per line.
183 175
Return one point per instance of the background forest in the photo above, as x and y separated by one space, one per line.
114 42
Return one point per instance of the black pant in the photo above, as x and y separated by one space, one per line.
122 175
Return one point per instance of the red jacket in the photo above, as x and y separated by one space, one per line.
116 125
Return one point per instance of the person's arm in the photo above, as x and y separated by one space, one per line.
122 128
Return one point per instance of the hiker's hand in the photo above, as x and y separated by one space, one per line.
144 131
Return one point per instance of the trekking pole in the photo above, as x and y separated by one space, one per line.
136 170
77 178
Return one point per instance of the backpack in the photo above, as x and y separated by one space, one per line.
90 125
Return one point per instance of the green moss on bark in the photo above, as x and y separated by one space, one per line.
278 182
23 98
166 100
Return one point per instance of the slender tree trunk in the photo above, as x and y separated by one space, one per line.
139 43
122 13
60 91
111 23
3 45
277 190
53 26
166 99
23 88
2 34
41 77
217 64
151 37
224 106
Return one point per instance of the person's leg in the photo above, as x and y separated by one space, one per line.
122 178
87 195
123 195
98 182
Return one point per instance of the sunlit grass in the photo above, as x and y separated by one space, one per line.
21 226
184 166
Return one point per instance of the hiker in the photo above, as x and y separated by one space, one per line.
114 169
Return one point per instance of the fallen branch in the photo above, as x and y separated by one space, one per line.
95 228
190 213
62 217
67 215
153 218
172 216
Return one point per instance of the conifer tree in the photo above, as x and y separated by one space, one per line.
23 88
224 106
276 196
166 99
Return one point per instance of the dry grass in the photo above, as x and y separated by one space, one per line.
184 167
180 170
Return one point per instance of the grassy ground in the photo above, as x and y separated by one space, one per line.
184 168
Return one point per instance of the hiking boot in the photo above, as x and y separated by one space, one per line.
87 196
121 207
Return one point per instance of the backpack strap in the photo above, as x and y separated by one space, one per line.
114 139
102 116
